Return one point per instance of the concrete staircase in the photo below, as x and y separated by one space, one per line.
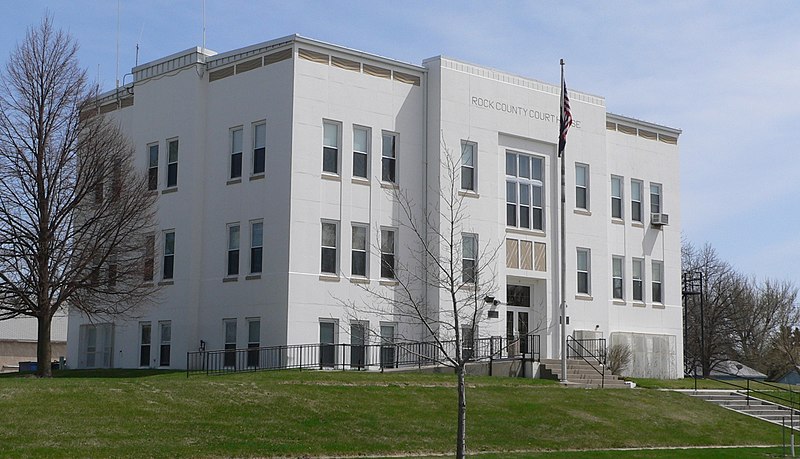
736 401
580 374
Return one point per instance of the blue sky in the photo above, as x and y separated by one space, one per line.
726 72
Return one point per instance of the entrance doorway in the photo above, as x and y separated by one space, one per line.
518 307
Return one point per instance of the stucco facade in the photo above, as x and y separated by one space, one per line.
273 160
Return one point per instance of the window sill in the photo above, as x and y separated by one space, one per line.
389 282
659 306
359 181
170 190
469 194
329 277
584 297
234 181
257 177
166 282
331 177
252 277
619 302
389 185
230 279
359 280
585 212
637 224
639 304
617 221
526 232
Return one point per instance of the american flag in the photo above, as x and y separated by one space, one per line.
565 118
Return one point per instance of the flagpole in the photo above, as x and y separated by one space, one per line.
563 241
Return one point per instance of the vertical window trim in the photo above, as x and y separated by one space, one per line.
330 250
587 272
472 167
337 147
152 166
388 254
236 153
169 256
233 255
172 165
617 199
637 203
259 152
618 278
366 153
389 170
256 247
359 252
582 188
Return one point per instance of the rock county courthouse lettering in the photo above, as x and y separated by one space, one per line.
272 165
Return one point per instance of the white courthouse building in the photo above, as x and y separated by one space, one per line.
272 162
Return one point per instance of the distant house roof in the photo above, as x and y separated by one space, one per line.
728 369
788 375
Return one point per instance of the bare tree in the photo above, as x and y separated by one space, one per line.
444 261
73 210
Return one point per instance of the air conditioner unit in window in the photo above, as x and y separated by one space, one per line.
659 219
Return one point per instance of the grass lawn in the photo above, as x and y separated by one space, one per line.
291 413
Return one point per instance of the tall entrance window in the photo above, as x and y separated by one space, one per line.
358 341
145 338
253 342
518 305
388 358
229 326
165 329
327 344
524 191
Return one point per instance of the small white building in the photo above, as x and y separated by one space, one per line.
19 337
272 162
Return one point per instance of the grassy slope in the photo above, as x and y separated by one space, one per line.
330 413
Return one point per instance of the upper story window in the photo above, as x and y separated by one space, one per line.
636 200
637 266
172 163
618 277
152 167
233 249
469 256
389 157
582 186
358 265
658 277
524 191
361 152
388 243
259 148
236 153
256 246
169 255
330 147
584 271
329 247
468 176
616 196
655 198
149 257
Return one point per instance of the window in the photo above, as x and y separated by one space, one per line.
584 264
327 344
145 338
618 278
582 186
469 254
636 200
358 266
233 250
616 196
358 341
172 163
98 192
387 346
253 342
518 295
165 328
236 153
655 198
259 148
329 244
389 158
229 328
256 246
387 253
360 152
149 257
152 169
330 148
169 254
638 279
468 165
658 275
524 183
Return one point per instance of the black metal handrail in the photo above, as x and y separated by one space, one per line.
592 348
357 357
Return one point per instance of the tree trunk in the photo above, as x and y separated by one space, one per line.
43 351
461 440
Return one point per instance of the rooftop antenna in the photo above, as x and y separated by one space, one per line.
117 69
138 40
203 49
